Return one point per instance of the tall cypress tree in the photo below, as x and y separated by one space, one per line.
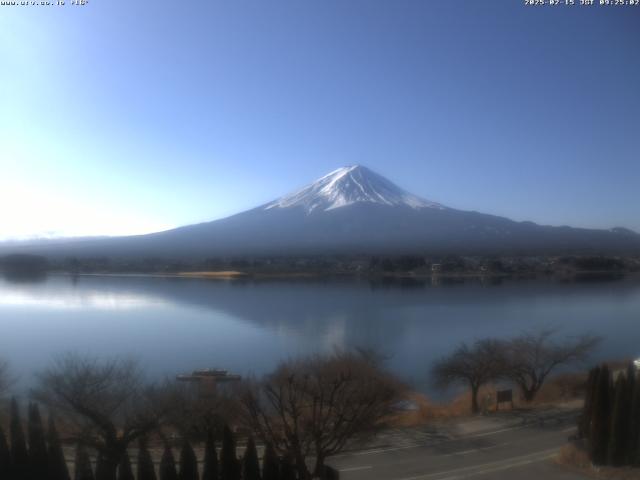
125 472
287 472
631 377
168 465
230 467
210 470
5 456
270 464
617 452
19 452
103 472
587 411
188 462
250 463
628 428
83 469
38 460
57 464
146 471
634 426
600 420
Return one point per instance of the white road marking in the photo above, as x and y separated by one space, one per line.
475 450
454 454
498 469
419 445
487 467
379 450
487 434
355 469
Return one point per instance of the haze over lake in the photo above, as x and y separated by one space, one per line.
175 325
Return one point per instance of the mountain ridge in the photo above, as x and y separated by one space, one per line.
351 210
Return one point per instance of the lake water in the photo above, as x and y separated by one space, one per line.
175 325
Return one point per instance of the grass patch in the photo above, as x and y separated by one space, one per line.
561 390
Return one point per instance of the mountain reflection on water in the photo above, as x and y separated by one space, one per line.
178 324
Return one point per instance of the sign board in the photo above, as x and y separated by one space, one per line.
503 396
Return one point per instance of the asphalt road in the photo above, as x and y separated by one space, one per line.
520 452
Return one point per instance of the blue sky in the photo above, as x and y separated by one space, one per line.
124 117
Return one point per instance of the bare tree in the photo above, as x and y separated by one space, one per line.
194 414
107 402
532 356
314 407
473 365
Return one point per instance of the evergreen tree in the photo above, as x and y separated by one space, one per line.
250 463
287 472
634 426
631 378
83 469
5 456
19 452
103 472
146 471
210 470
628 429
38 461
168 465
600 420
270 467
617 452
188 462
57 464
125 472
230 467
587 411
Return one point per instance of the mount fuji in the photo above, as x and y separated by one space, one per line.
352 210
347 186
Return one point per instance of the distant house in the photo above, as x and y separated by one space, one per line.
436 267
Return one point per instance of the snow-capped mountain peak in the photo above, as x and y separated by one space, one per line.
349 185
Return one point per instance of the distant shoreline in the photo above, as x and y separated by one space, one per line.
211 275
382 268
240 275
